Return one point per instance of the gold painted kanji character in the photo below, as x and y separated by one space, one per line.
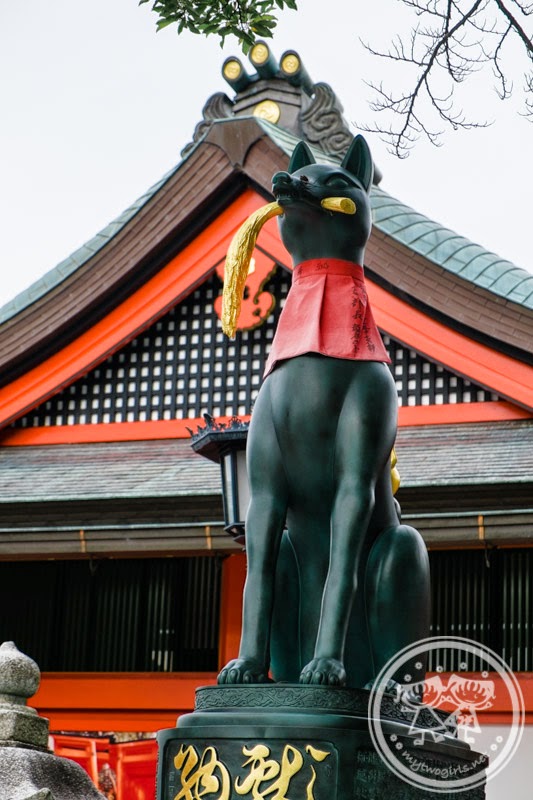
269 778
201 776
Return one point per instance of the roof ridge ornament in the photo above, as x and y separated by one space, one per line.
282 93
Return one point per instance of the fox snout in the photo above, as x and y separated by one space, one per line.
281 179
283 183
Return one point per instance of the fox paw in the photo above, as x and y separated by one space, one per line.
243 670
324 672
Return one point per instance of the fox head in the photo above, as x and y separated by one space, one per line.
308 228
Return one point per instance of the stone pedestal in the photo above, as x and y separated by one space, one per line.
284 742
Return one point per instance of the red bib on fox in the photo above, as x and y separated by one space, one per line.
327 311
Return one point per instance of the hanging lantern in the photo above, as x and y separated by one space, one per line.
225 443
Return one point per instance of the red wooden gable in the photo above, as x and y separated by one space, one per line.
503 374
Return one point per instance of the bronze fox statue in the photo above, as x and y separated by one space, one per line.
331 597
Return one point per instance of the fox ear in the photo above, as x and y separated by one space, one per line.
301 157
358 161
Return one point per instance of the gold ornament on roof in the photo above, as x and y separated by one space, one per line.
268 110
260 53
290 64
232 70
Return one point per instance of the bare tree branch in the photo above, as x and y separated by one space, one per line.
525 8
452 39
515 25
505 89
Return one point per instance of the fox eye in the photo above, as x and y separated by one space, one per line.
338 182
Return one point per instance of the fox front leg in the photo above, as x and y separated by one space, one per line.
264 527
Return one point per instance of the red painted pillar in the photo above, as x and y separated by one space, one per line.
233 577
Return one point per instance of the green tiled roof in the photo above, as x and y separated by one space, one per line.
436 243
451 251
287 141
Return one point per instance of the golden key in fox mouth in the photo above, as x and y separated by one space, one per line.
240 253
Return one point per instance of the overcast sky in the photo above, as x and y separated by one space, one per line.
96 106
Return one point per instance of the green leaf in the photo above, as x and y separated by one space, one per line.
246 38
242 19
164 23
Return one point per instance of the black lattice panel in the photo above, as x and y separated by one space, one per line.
179 368
424 383
184 366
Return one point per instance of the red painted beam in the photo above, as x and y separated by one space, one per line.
150 701
98 701
453 413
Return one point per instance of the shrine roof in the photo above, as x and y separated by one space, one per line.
438 244
450 250
161 468
437 456
235 150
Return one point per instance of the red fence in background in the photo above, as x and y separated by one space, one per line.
122 771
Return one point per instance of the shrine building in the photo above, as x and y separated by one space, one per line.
115 568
